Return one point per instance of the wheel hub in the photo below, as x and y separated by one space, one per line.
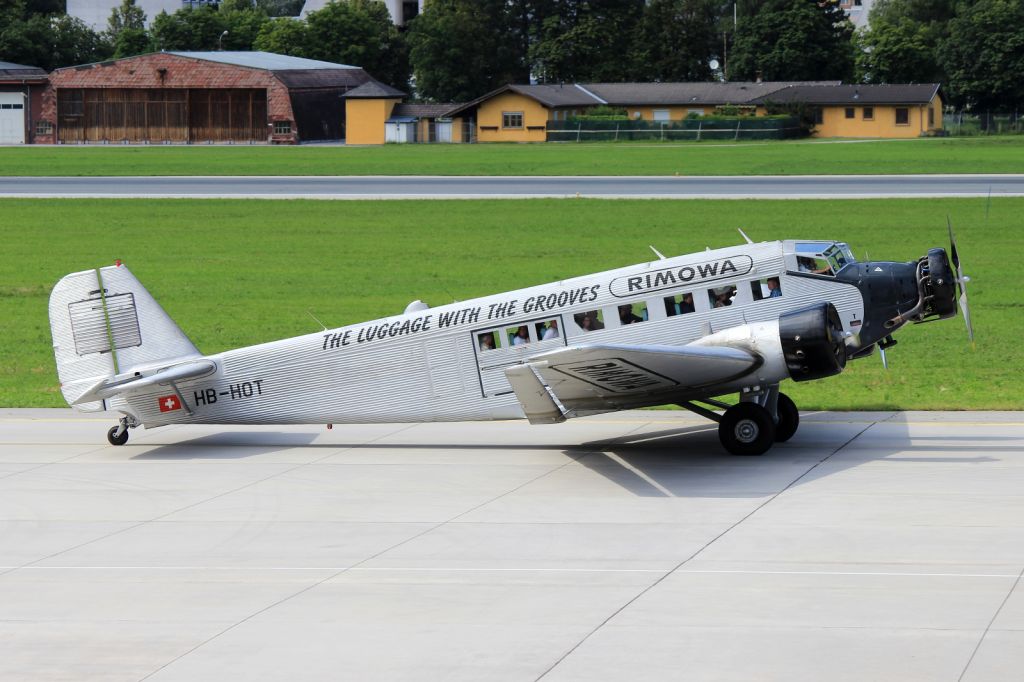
746 431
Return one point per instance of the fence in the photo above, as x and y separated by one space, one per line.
982 123
695 129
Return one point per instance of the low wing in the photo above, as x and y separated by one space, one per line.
614 377
136 381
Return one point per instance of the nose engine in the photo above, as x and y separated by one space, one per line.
938 286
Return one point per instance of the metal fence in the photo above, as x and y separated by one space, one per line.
695 129
968 123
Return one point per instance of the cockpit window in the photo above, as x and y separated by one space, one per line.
816 265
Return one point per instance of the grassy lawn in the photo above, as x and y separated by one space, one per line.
233 273
960 155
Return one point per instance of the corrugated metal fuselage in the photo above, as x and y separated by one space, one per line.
427 365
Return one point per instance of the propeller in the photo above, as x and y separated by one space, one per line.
961 280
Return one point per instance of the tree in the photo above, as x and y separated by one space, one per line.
586 40
901 43
243 23
126 30
360 33
792 40
676 40
984 55
461 49
283 36
188 29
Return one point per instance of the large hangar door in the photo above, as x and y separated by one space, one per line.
12 118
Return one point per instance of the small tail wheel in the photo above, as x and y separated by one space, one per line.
116 439
746 429
789 419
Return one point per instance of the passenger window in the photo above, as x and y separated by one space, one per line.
592 320
680 304
486 341
518 336
766 288
815 266
720 297
631 313
548 329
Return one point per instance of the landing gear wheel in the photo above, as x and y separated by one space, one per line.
746 429
789 419
116 439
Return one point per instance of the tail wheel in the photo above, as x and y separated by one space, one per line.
746 429
116 439
789 419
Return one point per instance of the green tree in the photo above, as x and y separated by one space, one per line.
126 30
901 42
360 33
243 23
280 8
188 29
984 55
461 49
792 40
49 41
586 40
284 36
676 40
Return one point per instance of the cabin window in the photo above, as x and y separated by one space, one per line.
902 116
721 297
770 287
518 336
487 341
850 112
680 304
511 119
590 321
869 113
631 313
814 265
548 329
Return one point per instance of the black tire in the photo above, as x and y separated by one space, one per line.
747 429
789 419
116 439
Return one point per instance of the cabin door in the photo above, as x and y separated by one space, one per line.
512 344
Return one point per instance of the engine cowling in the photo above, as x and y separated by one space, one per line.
813 342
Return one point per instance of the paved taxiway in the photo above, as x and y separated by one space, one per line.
877 546
443 187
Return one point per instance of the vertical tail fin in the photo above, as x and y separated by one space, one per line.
104 323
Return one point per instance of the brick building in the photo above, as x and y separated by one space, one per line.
199 98
21 97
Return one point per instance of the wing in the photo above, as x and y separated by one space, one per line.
615 377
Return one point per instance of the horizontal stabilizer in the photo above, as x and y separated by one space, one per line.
111 386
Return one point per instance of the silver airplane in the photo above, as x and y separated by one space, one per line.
684 330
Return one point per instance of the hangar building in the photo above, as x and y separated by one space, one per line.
200 98
21 95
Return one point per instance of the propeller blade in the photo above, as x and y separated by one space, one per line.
961 280
953 256
885 361
967 315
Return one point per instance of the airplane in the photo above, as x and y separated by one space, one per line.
684 330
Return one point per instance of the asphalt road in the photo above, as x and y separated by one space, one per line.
437 187
871 546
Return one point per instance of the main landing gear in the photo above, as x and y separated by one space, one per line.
118 435
753 425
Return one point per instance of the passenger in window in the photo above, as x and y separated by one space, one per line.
722 296
487 341
810 265
588 321
686 304
626 315
522 336
774 289
551 332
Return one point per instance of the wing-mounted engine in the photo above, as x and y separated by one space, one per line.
813 342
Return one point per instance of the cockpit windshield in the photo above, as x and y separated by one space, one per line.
823 258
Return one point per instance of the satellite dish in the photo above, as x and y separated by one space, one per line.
713 64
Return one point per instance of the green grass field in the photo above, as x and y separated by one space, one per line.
951 155
240 272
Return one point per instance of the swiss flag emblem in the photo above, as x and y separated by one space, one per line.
169 403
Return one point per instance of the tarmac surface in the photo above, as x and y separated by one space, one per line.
873 546
518 187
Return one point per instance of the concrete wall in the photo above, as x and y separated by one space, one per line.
489 119
364 120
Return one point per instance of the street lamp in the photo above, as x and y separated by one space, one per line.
220 41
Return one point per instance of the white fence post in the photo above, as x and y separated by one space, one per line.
616 132
579 130
737 129
700 124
